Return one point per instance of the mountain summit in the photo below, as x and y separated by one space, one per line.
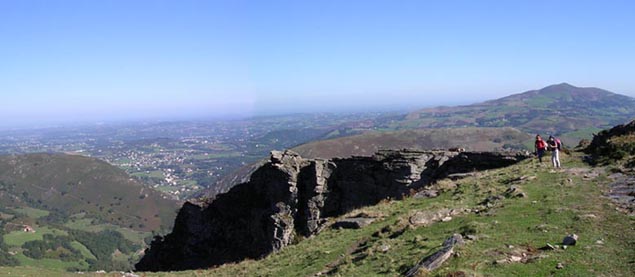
561 109
570 94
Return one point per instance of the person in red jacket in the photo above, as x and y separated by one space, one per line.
539 146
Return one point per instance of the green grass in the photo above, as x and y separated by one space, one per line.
122 161
553 208
166 189
6 216
17 238
82 248
132 235
231 154
539 101
85 224
31 271
49 264
150 174
188 183
77 184
32 212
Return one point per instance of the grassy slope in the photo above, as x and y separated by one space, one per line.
553 208
17 238
74 184
87 188
560 207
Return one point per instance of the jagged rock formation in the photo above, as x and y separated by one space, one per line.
292 196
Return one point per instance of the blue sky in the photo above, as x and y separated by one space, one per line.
114 60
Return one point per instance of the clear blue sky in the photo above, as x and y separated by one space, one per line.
127 59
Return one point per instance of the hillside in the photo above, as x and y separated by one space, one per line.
471 139
70 184
566 110
513 221
73 212
326 217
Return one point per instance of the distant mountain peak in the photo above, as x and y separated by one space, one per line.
561 85
578 93
559 108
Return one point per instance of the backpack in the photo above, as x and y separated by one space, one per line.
558 144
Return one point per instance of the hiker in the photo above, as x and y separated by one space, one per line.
539 146
553 145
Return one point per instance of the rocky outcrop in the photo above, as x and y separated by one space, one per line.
290 196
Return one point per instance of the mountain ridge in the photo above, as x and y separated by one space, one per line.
561 109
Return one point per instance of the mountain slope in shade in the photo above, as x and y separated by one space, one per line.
560 109
68 185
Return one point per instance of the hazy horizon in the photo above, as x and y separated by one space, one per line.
81 61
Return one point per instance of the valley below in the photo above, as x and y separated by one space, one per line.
355 194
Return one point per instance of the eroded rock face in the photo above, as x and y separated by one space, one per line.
291 196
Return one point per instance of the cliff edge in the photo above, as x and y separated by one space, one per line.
290 196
